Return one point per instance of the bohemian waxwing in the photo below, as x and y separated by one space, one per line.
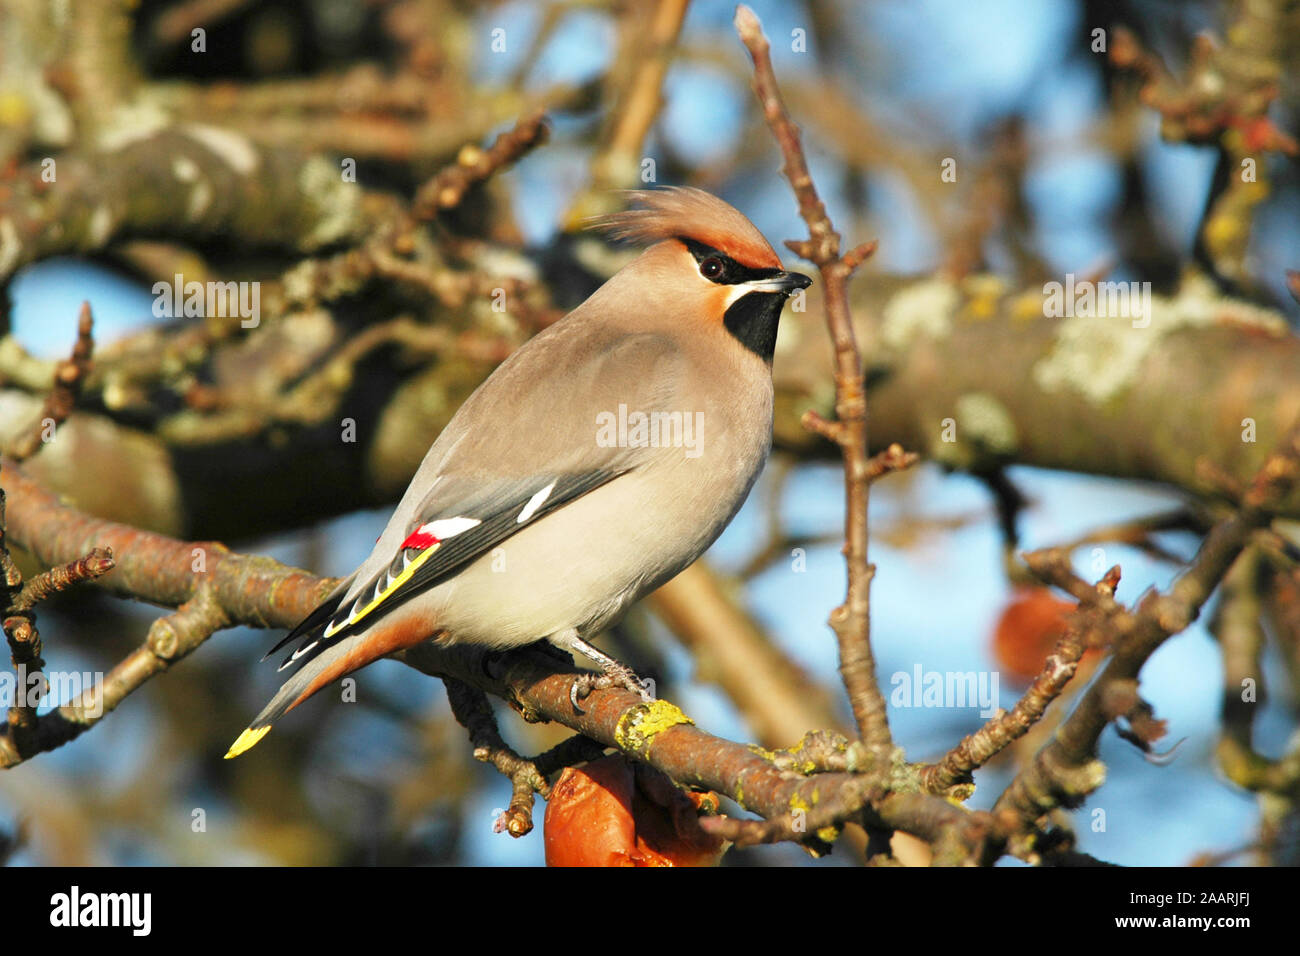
599 460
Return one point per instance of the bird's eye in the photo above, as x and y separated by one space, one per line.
712 268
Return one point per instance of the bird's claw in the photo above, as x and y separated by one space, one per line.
582 687
584 684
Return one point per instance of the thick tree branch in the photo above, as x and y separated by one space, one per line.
213 588
210 587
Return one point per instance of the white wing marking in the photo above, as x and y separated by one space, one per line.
445 528
535 502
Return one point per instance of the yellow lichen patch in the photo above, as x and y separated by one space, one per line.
828 834
14 110
1027 306
768 755
805 767
983 294
638 727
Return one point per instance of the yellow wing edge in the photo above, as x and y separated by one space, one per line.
397 582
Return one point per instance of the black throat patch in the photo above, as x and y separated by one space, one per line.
753 320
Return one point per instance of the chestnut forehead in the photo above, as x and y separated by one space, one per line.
735 247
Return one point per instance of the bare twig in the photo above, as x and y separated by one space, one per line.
978 748
20 622
24 640
851 620
474 165
1139 532
20 626
474 713
1067 769
98 562
69 374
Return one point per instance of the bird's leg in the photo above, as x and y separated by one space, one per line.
615 673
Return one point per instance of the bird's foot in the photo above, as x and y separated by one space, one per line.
615 675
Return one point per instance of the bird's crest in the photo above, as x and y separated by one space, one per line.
680 212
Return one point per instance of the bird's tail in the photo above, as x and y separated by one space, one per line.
335 659
290 694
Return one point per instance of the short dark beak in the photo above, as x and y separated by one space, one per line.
782 282
796 280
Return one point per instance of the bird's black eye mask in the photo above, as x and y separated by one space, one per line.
721 268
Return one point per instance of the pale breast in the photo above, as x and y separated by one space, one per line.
584 565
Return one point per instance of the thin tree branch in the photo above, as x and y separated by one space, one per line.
1001 731
659 734
474 165
1067 768
474 712
69 375
851 621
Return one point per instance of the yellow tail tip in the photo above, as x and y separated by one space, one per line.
247 740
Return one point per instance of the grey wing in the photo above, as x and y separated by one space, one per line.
524 445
